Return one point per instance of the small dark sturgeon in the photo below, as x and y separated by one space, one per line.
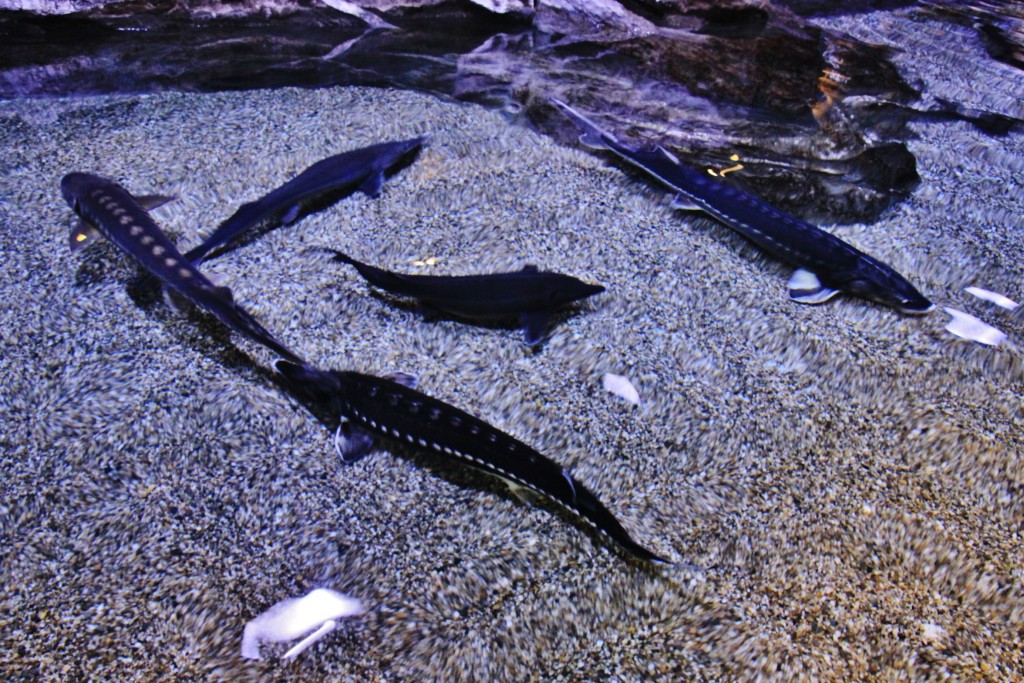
528 295
361 169
107 209
826 265
395 410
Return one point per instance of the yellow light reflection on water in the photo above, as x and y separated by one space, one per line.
722 172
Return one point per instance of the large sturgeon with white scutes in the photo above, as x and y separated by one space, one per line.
826 265
107 209
395 410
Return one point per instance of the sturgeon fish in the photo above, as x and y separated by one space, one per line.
826 265
107 209
393 409
329 179
528 295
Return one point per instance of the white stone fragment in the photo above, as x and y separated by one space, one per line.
352 9
294 617
995 297
310 640
506 6
620 386
934 635
966 326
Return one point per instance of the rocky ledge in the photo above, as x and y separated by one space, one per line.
815 118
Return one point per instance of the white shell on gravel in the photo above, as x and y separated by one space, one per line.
294 617
995 297
934 635
967 326
621 386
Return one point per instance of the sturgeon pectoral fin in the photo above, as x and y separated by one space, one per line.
371 186
568 478
290 369
291 214
82 235
224 293
534 326
352 443
806 288
593 141
526 495
429 311
174 301
152 201
668 155
684 203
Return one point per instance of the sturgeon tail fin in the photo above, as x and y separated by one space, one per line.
242 321
340 256
590 134
590 508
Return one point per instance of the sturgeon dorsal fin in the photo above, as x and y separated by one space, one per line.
406 379
805 287
82 235
529 268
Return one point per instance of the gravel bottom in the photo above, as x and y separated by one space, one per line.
846 480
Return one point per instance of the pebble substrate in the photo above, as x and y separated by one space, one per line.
848 479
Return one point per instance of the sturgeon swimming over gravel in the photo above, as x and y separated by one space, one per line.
826 265
393 409
329 179
528 295
107 209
